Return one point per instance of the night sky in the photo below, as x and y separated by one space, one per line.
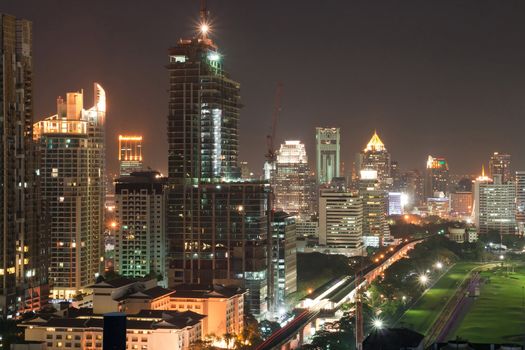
433 77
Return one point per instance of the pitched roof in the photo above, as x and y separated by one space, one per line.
375 144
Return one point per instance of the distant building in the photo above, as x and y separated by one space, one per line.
494 205
376 157
328 154
130 154
462 234
438 206
499 164
412 185
341 221
141 225
307 228
395 203
375 201
436 177
292 181
246 174
461 204
284 257
72 169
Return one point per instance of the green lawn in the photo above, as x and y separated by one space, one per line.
422 315
497 315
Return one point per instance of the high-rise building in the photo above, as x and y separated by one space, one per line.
328 154
284 257
376 157
412 186
436 177
499 164
130 154
217 225
520 201
72 171
291 182
341 221
375 200
246 174
141 225
494 205
24 236
395 203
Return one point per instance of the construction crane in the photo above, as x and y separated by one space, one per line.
271 155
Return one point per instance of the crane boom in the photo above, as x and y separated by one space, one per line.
271 154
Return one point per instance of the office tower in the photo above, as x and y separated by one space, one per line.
494 205
520 201
395 174
376 157
217 226
328 153
436 176
141 228
341 221
461 204
130 154
499 164
412 186
292 181
284 257
72 171
375 226
395 203
23 241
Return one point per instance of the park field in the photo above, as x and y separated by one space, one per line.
424 312
497 315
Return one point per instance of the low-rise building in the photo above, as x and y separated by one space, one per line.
149 329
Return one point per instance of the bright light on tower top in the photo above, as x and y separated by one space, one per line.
204 28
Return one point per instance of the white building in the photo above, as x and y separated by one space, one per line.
375 226
520 201
72 152
494 205
328 153
340 220
395 203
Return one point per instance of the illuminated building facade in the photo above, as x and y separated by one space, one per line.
341 220
520 201
328 154
375 200
292 180
499 164
436 177
494 205
395 203
375 156
141 228
438 206
461 204
217 225
284 257
23 240
130 154
72 171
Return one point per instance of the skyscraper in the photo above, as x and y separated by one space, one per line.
375 200
217 225
130 154
284 257
23 241
141 225
499 164
328 154
291 182
72 170
436 176
376 157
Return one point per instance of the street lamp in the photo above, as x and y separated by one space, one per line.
378 323
439 265
423 279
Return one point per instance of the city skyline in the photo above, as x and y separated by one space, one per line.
427 82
